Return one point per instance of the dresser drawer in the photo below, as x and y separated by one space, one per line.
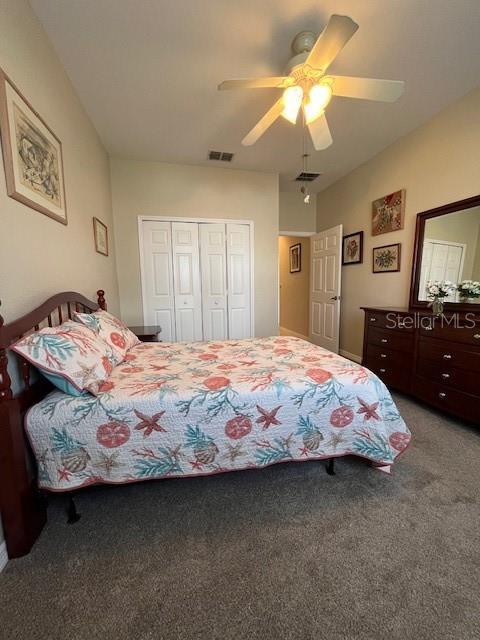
448 376
390 320
390 339
454 354
383 355
461 404
391 375
466 336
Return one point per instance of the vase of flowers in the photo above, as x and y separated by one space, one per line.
437 292
469 290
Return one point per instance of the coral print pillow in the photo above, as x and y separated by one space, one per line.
71 352
110 329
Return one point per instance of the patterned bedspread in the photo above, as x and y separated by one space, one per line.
184 409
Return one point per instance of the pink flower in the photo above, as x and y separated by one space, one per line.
238 427
341 417
208 356
399 440
214 383
320 376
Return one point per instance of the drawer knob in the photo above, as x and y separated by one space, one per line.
373 319
382 370
384 340
476 336
442 394
383 355
447 356
445 376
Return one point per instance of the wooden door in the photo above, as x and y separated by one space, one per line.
325 288
238 278
186 278
213 269
157 285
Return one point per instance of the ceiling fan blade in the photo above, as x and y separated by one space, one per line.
253 83
263 124
331 41
367 88
320 132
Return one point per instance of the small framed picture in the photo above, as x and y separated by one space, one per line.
388 213
32 155
295 258
100 233
386 259
352 250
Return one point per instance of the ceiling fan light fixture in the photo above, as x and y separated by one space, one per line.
319 97
292 101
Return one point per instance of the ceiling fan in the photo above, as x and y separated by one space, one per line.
308 86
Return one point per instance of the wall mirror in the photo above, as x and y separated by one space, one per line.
447 247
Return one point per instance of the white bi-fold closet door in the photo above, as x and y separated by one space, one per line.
196 279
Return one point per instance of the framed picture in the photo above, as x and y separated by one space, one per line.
295 258
352 248
100 233
386 259
32 155
388 213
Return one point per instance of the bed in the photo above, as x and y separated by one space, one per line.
188 409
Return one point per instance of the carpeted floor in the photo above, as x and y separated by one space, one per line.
287 552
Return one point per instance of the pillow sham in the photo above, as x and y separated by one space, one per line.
110 329
62 384
72 352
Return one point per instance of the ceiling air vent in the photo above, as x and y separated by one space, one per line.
223 156
305 176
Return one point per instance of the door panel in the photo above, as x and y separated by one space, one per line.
158 288
214 286
197 279
238 275
186 278
325 288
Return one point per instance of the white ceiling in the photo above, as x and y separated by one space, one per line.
147 72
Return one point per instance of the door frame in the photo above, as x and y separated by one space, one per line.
249 223
338 301
289 234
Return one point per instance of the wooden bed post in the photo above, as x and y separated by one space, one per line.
101 299
22 506
23 512
5 382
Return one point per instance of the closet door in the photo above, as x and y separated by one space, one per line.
158 293
238 278
214 287
186 278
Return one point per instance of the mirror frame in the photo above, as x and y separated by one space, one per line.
422 217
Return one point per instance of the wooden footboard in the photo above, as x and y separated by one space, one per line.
22 507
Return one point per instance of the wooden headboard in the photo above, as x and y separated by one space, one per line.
22 507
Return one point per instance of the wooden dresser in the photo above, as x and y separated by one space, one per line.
416 353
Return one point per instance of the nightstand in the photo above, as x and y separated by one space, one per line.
146 334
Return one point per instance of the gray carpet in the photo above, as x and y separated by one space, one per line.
286 552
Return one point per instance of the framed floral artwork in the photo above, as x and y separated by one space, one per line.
100 233
386 259
295 258
32 155
352 249
388 213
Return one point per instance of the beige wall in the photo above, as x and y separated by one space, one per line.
437 163
160 189
39 256
295 215
294 287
